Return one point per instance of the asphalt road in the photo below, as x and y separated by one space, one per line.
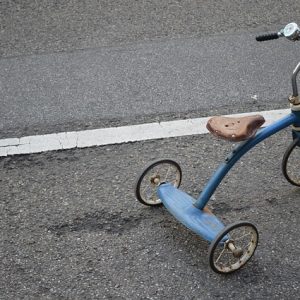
63 67
31 27
144 83
70 226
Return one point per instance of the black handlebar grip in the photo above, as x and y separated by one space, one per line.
267 37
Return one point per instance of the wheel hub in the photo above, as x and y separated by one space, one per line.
155 179
236 251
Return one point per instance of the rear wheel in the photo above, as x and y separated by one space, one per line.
233 247
164 170
291 163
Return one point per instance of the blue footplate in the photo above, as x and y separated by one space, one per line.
180 205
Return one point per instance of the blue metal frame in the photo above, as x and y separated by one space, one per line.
239 151
189 211
296 135
181 206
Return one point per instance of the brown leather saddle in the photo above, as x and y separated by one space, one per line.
235 129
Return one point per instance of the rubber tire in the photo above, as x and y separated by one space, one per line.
219 237
285 159
146 169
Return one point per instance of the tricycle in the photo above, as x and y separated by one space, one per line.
231 246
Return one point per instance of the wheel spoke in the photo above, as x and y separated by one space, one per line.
147 186
239 238
152 195
249 244
220 255
167 173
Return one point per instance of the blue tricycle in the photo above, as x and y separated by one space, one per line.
231 246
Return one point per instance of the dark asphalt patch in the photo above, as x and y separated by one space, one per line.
111 223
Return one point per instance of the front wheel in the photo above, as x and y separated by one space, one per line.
233 247
291 163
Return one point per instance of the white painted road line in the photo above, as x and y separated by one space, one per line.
116 135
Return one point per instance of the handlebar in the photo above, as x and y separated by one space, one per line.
267 37
291 31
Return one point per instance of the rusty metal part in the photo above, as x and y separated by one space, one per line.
236 251
295 128
207 210
155 179
294 100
